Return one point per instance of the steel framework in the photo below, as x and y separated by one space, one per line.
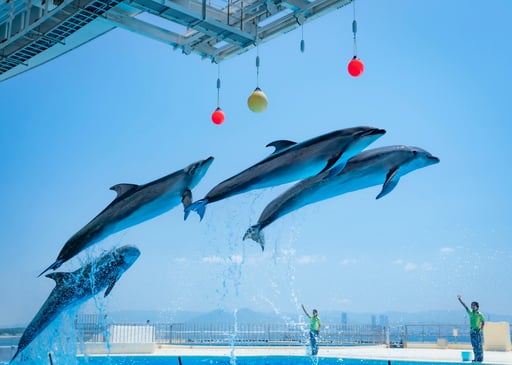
35 31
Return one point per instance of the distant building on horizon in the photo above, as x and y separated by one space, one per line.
384 320
344 318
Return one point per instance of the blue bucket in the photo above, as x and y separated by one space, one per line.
466 355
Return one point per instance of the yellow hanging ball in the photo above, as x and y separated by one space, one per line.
257 101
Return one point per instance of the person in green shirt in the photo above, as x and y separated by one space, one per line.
476 322
314 329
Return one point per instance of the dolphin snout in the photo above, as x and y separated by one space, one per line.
434 159
129 254
374 132
199 168
208 161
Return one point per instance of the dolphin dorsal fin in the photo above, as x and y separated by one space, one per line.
280 145
392 180
122 189
59 277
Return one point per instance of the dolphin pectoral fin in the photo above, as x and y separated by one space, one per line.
387 188
199 207
122 189
391 181
53 266
110 286
280 145
254 233
186 198
332 163
337 169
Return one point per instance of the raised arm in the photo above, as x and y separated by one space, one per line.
305 311
459 297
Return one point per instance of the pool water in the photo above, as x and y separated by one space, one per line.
242 360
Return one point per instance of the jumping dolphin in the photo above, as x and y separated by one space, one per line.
377 166
76 287
135 204
293 161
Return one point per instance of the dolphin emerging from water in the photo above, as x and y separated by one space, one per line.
383 165
135 204
76 287
293 161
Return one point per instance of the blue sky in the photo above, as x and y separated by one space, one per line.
124 108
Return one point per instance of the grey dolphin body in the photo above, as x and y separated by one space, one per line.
293 161
135 204
76 287
383 165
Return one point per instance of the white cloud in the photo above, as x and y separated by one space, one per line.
308 259
212 260
343 301
234 259
288 252
427 266
346 262
410 266
447 250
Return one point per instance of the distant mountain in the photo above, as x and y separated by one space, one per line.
242 315
246 315
215 316
141 316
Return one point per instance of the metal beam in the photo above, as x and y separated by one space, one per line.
33 32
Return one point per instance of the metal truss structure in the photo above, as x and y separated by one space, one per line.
36 31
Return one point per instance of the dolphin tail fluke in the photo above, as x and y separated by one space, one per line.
53 266
199 207
254 233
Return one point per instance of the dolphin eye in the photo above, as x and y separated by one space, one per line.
190 170
117 257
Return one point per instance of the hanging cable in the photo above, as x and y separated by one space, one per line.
218 115
354 28
302 45
257 101
218 85
355 66
257 66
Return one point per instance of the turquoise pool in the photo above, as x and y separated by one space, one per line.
243 360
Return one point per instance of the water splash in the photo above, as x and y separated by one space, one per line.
232 357
59 339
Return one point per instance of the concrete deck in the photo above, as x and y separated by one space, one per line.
356 352
428 355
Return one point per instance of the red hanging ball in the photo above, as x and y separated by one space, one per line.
218 116
355 67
